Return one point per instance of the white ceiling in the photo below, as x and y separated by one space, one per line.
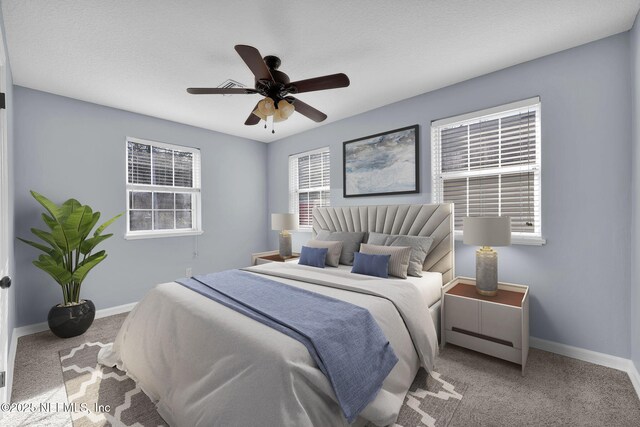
141 55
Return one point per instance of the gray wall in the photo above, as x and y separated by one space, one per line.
580 279
634 301
68 148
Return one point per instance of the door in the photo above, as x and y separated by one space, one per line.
5 234
4 252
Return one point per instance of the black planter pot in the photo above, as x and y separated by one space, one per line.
71 321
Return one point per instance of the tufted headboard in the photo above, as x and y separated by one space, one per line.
435 220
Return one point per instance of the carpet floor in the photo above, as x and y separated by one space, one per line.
555 391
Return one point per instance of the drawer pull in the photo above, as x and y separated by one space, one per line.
484 337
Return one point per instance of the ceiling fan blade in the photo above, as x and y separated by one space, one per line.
308 110
332 81
254 61
220 91
252 119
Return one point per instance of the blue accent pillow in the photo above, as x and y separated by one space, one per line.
313 257
371 265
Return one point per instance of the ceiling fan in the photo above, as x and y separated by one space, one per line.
276 88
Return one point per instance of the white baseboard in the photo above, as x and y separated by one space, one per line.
41 327
603 359
111 311
595 357
635 377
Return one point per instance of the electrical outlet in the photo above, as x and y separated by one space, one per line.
189 272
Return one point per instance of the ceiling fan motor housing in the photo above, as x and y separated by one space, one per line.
275 89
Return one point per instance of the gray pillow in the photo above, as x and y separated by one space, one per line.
333 253
399 261
378 238
419 249
350 242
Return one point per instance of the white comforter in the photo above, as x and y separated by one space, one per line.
208 365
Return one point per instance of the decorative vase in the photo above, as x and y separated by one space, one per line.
71 320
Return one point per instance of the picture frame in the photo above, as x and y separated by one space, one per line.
382 164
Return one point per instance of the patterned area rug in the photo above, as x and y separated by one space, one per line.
431 401
102 396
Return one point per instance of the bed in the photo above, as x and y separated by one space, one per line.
205 364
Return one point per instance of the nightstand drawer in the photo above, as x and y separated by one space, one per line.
485 346
461 313
501 322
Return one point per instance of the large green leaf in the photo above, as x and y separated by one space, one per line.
53 268
48 220
87 265
46 249
67 208
94 220
93 256
51 207
47 237
106 224
88 245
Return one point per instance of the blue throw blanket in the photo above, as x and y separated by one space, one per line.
344 339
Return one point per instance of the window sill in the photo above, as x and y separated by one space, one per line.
156 234
517 240
529 241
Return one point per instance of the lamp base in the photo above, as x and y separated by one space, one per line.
285 245
486 271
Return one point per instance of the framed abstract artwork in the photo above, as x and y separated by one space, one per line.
382 164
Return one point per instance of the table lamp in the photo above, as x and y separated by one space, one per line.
284 222
487 231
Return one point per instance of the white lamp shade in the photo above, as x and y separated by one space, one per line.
284 221
486 230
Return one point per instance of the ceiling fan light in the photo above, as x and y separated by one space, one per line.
267 106
285 108
279 116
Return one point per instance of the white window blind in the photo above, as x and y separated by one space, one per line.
488 163
163 189
309 183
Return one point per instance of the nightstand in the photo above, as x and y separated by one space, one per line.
497 325
271 256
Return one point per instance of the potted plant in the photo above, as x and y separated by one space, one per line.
68 257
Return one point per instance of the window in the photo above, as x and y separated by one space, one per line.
163 189
308 183
488 163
